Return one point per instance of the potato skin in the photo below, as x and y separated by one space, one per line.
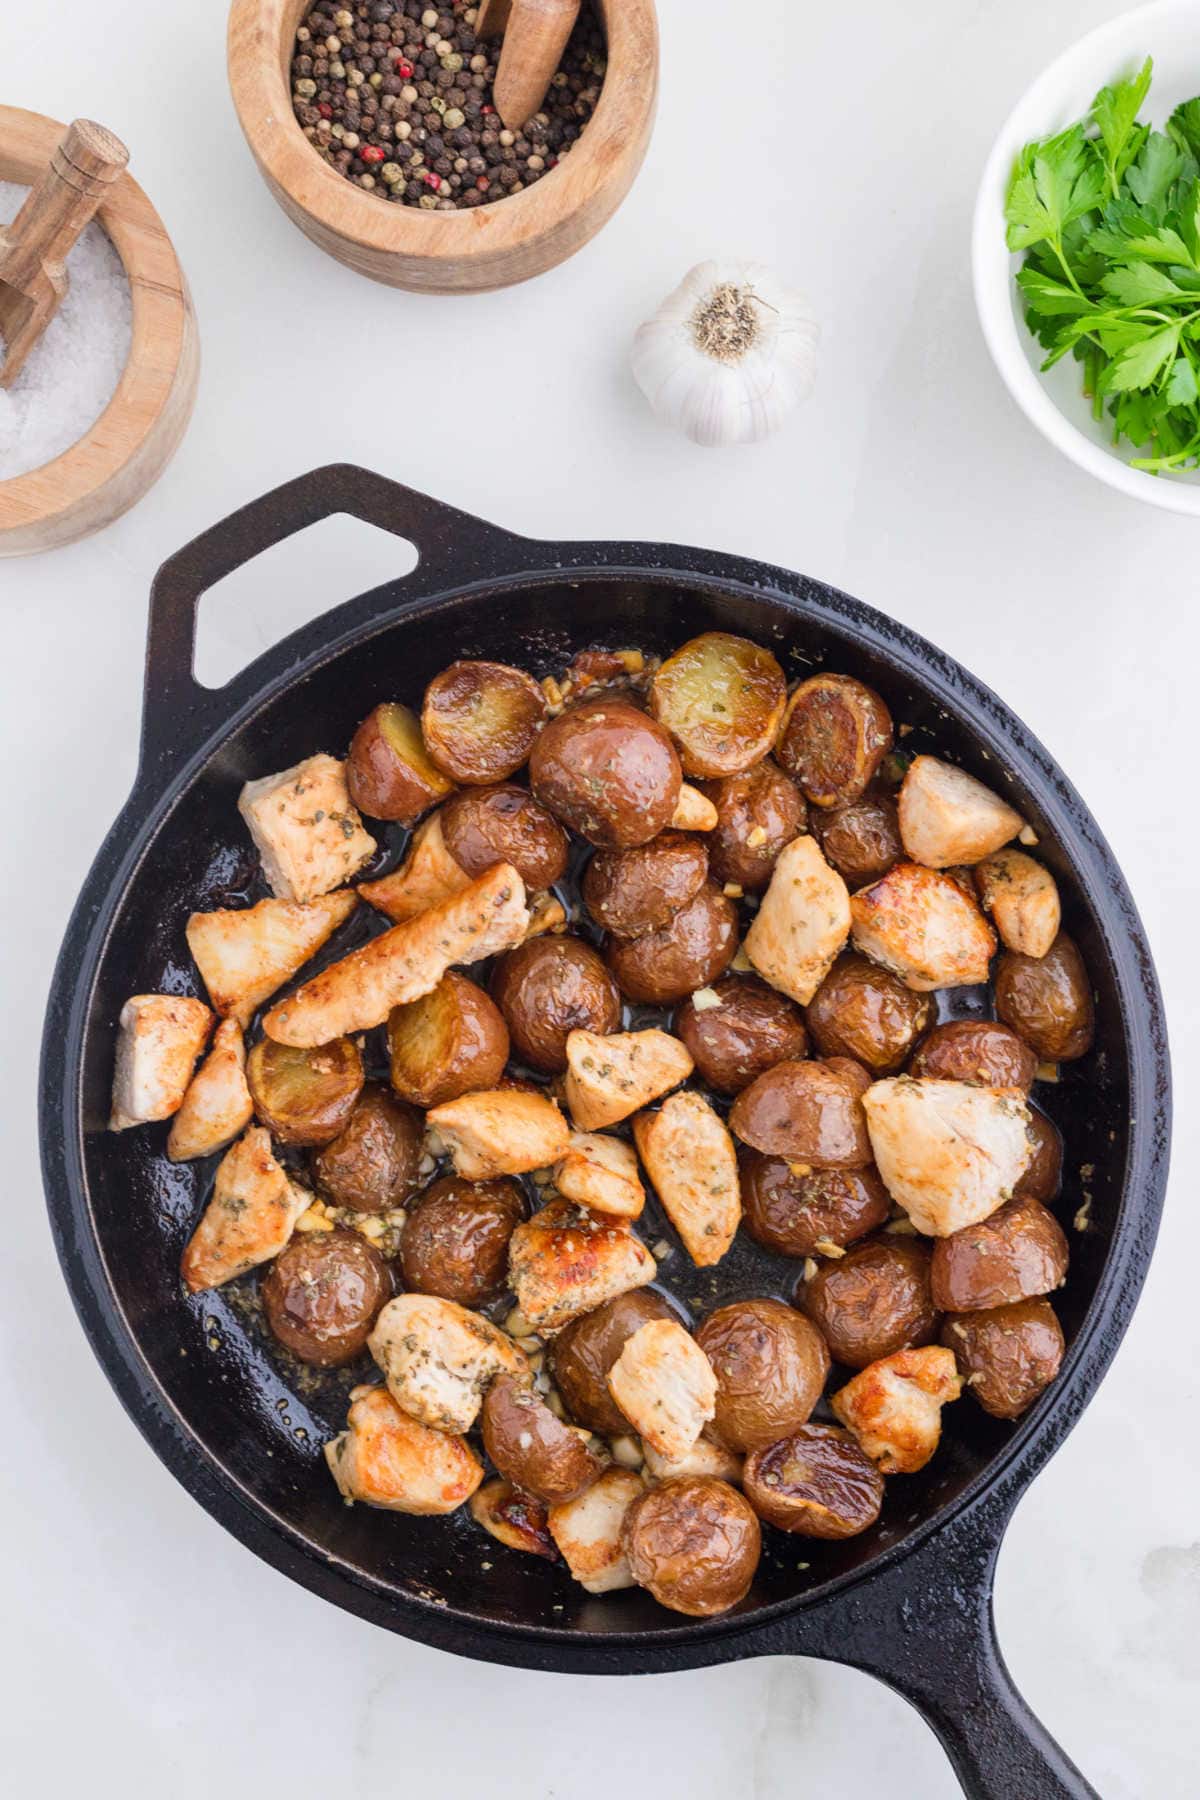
322 1294
687 953
835 733
693 1543
584 1352
816 1482
1042 1179
374 1163
513 1518
862 1010
547 988
455 1240
532 1448
862 839
721 697
389 773
1048 1000
979 1051
304 1096
1019 1253
808 1112
451 1042
875 1300
1008 1355
480 720
754 1028
762 799
482 826
793 1214
607 771
771 1364
629 892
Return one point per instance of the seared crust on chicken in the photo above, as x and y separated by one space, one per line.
404 963
894 1407
245 954
501 1131
306 828
385 1458
161 1037
802 923
949 1152
217 1105
609 1078
566 1261
251 1215
690 1158
923 926
427 876
438 1358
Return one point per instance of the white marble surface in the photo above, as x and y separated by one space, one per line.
142 1647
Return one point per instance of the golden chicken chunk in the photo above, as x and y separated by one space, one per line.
588 1531
949 1152
803 921
250 1218
920 924
948 817
306 829
437 1359
665 1386
1022 898
690 1158
609 1078
384 1458
602 1173
428 876
245 954
217 1106
894 1407
161 1036
502 1131
566 1261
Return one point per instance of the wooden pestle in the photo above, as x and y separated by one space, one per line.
34 248
534 40
492 17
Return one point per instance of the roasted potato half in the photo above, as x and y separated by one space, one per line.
304 1096
480 720
448 1043
835 733
809 1112
532 1447
513 1518
1019 1253
1042 1178
771 1364
795 1211
389 772
863 1011
874 1300
816 1482
1008 1356
862 839
721 698
582 1355
976 1050
455 1239
549 987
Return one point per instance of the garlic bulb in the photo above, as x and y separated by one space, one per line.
728 354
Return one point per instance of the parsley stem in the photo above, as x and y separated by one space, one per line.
1056 245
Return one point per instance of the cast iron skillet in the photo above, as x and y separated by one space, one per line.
909 1602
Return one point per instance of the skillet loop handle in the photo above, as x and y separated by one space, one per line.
926 1628
453 548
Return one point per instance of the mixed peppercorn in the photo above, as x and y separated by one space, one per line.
397 96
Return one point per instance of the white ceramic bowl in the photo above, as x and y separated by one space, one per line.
1169 31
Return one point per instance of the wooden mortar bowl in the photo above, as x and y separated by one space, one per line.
446 252
135 437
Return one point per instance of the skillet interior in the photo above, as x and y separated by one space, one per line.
261 1423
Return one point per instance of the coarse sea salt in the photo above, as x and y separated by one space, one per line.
72 371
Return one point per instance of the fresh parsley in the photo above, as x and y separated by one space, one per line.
1108 213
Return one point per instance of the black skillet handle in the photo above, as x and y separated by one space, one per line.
452 547
925 1627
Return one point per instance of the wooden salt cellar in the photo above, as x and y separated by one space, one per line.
458 252
130 444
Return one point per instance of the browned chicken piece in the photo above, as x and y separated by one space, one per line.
251 1215
566 1261
244 955
437 1359
665 1386
948 1152
428 876
217 1106
690 1158
161 1036
948 817
802 923
502 1131
920 924
894 1407
609 1078
704 1458
384 1458
588 1531
602 1173
404 963
1022 898
306 828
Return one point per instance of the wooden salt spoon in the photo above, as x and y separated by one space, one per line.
535 36
34 248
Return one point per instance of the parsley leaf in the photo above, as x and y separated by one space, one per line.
1159 164
1184 126
1054 182
1114 114
1137 366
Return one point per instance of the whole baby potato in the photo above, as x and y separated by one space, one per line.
1018 1253
582 1354
694 1543
796 1214
864 1011
861 840
532 1447
979 1051
816 1482
482 826
873 1301
759 812
373 1164
322 1294
549 987
749 1029
1048 1000
688 952
1042 1179
770 1363
455 1240
630 892
1008 1355
808 1112
607 771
